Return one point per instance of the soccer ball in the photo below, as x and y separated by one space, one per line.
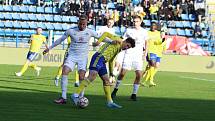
83 102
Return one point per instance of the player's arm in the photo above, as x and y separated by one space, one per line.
29 41
57 42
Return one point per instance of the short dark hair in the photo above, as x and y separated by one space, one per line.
136 16
131 41
83 17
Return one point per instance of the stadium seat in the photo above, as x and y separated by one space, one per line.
8 16
1 8
48 10
205 34
123 29
147 22
9 32
24 17
41 25
179 24
1 24
32 9
188 32
40 9
40 17
65 19
186 24
49 26
16 24
73 19
57 18
192 17
57 26
24 25
110 5
117 30
193 24
32 25
172 31
1 16
24 8
181 32
171 23
32 17
56 10
65 26
16 8
49 17
8 24
16 16
184 17
7 8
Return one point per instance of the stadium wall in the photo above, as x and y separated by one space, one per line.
176 63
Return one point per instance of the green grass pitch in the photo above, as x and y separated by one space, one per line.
178 97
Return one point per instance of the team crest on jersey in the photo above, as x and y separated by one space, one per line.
87 34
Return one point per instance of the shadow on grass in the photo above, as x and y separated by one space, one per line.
21 105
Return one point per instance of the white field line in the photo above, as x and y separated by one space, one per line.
127 84
186 77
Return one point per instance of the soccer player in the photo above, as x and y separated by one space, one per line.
133 58
59 72
156 46
105 54
108 28
36 42
77 55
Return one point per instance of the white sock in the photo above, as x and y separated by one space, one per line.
135 88
118 82
64 83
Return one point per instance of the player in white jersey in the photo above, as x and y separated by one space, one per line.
133 58
78 53
108 28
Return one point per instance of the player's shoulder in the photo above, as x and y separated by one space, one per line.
74 28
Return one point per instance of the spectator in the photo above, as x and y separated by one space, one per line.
184 7
101 19
74 8
138 8
16 2
91 16
115 17
197 30
190 7
153 11
177 13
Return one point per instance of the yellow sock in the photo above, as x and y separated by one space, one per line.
76 76
108 93
152 73
32 65
147 76
59 72
81 87
24 68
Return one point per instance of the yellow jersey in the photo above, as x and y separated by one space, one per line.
36 42
161 48
153 41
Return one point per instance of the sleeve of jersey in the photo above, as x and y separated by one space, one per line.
58 41
108 35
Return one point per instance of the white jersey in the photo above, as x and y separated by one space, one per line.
79 46
140 37
106 29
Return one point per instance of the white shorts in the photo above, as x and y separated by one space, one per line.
81 64
132 62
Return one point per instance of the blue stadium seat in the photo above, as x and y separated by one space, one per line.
24 25
171 23
7 8
123 29
24 17
8 24
65 19
16 24
32 25
57 26
192 17
205 34
1 24
147 22
179 24
40 9
9 32
1 8
32 17
65 26
49 17
57 18
16 8
73 19
172 31
41 25
188 32
117 30
24 8
193 24
187 24
8 16
1 16
110 5
32 9
40 17
49 26
48 10
56 10
184 17
181 32
16 16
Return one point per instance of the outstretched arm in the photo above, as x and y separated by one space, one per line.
108 37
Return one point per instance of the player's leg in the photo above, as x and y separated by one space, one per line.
118 82
156 66
35 67
145 75
77 76
59 73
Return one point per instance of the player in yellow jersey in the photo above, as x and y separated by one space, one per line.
156 46
36 42
59 72
105 54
